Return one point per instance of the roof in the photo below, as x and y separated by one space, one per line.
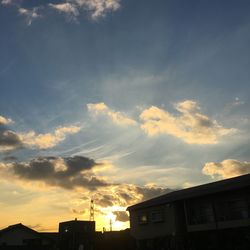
45 235
205 189
17 226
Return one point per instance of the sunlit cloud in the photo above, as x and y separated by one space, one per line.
4 120
115 116
48 140
70 9
191 125
11 140
226 169
96 8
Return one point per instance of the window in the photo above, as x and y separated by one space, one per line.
143 219
200 212
157 216
233 209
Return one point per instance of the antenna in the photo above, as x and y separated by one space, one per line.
92 211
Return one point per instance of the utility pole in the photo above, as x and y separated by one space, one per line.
110 224
92 211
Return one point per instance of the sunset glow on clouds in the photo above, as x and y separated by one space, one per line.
191 126
116 116
119 101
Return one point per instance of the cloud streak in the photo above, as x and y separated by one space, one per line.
191 125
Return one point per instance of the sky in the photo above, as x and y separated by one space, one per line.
118 101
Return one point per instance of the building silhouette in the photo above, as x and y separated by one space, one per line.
76 235
21 237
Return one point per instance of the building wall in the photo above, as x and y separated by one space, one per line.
154 225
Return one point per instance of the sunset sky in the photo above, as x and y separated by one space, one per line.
118 101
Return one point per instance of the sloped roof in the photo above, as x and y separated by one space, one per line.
17 226
205 189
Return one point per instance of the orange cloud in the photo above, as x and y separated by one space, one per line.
191 125
226 169
116 117
48 140
4 120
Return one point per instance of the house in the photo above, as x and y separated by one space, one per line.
19 236
210 216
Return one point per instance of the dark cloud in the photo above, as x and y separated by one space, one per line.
10 158
106 200
121 216
125 195
128 198
69 173
151 192
80 212
9 140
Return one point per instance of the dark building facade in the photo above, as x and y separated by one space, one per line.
76 235
207 217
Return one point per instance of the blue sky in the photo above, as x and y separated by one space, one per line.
155 92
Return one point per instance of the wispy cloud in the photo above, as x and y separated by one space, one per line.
191 125
98 8
6 2
226 169
30 14
116 116
70 9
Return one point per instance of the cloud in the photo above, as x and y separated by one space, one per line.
98 8
9 140
121 216
72 8
8 2
116 117
124 194
226 169
68 8
30 14
48 140
191 125
4 121
67 173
